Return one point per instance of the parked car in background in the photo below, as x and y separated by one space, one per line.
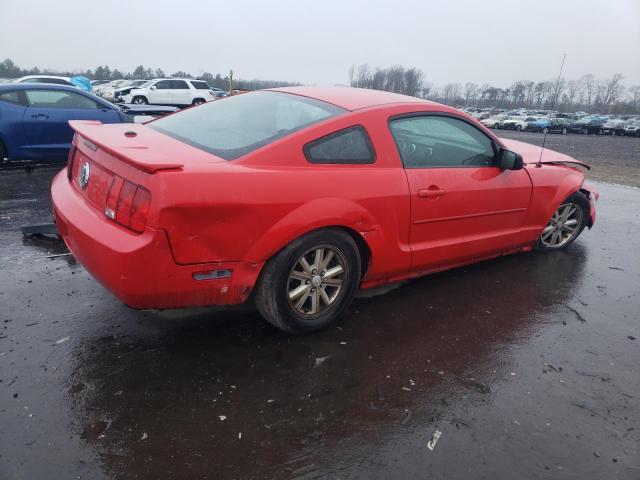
97 83
590 125
517 123
546 125
171 91
495 121
218 92
34 119
106 90
614 126
340 190
116 94
632 128
50 79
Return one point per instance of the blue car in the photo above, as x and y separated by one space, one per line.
34 120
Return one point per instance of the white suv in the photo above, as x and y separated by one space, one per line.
171 91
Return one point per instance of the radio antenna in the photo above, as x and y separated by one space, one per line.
553 105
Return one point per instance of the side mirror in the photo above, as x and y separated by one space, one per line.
153 87
508 160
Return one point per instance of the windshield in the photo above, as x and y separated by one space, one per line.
235 126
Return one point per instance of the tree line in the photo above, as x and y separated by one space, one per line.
8 69
588 93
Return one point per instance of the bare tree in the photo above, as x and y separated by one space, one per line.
589 85
610 90
470 93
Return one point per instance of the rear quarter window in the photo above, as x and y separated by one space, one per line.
200 85
16 97
349 146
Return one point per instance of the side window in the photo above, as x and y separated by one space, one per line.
59 99
349 146
163 85
16 97
179 85
432 141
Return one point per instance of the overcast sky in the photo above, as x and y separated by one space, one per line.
315 42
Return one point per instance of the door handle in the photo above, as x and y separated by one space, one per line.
40 115
431 192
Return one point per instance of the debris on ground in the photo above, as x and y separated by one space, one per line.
62 340
144 436
59 255
431 444
406 418
320 360
578 315
222 417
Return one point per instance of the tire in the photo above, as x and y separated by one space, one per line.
545 130
198 101
559 233
3 152
518 128
140 100
286 274
564 131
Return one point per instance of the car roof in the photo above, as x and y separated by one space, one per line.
38 86
44 76
351 98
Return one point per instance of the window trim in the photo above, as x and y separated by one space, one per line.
358 127
496 146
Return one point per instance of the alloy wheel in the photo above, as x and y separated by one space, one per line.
563 227
315 282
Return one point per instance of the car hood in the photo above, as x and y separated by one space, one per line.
531 154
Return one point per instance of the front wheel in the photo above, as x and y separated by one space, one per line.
140 100
310 282
198 101
518 128
566 224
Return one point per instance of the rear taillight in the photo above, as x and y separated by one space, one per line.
127 204
72 152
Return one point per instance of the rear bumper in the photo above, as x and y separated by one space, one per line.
139 269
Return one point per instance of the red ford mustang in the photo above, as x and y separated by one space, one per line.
302 195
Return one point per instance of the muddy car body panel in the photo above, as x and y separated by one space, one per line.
166 222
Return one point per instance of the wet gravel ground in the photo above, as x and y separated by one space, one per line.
527 366
614 159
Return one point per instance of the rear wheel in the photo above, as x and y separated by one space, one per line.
310 282
198 101
140 100
518 128
566 224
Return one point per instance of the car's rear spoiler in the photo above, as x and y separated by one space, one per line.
123 142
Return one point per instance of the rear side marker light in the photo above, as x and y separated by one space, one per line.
72 152
212 275
127 204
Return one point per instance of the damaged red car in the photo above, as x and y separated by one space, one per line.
298 197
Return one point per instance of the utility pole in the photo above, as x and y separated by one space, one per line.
230 81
